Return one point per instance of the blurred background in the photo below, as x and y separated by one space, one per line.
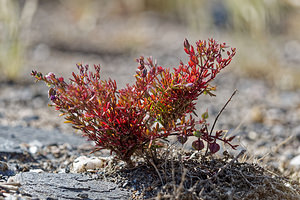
55 35
52 36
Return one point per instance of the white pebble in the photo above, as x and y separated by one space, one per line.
36 170
295 161
33 149
83 163
34 146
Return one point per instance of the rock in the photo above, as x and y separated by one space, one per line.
36 170
31 118
84 164
3 166
5 170
19 140
17 135
67 186
295 161
296 132
256 114
252 135
34 146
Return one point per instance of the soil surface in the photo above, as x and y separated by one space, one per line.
35 140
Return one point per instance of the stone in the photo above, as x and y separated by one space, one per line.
84 164
256 114
67 186
34 146
295 161
36 170
296 132
252 135
3 166
11 137
5 170
31 118
16 141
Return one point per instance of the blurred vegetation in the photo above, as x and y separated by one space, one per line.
260 29
265 32
14 23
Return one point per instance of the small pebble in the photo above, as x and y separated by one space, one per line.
295 161
252 135
83 195
125 184
31 118
83 163
36 170
33 149
256 114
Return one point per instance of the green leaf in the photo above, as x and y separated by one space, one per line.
209 93
204 115
197 134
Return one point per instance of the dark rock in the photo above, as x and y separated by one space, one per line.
5 170
67 186
17 155
31 118
3 166
296 132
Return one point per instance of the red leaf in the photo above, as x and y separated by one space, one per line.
186 50
214 147
198 145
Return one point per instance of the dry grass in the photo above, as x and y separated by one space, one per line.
259 29
188 175
14 26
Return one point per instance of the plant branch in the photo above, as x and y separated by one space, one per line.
213 126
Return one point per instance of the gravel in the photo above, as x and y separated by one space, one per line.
265 121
